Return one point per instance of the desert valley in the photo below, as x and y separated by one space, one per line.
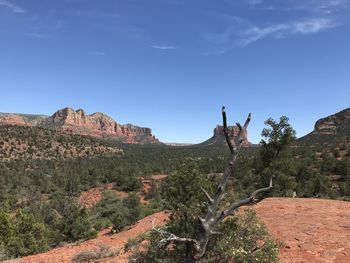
93 168
174 131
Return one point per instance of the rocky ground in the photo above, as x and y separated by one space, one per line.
309 231
312 230
104 241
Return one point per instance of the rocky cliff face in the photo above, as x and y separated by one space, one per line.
78 122
12 119
219 136
333 124
333 129
233 133
21 119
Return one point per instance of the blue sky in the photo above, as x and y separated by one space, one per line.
171 64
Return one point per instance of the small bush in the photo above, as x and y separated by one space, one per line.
132 242
93 255
84 256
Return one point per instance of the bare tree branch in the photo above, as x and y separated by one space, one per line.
225 129
210 200
170 237
213 216
247 201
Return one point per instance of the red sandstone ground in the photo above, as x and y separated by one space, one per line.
312 231
114 242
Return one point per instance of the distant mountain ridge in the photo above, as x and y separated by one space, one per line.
97 125
219 139
334 128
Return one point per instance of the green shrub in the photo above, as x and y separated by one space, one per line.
132 242
29 236
245 240
93 255
6 227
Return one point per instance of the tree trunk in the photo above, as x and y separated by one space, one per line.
189 256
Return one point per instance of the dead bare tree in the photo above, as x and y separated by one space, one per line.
213 214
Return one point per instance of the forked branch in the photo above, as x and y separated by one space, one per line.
170 237
213 215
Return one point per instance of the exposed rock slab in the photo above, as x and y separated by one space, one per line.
313 230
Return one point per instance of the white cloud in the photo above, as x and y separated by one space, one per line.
254 2
163 47
246 33
326 4
98 53
305 27
13 7
313 25
36 35
323 6
255 33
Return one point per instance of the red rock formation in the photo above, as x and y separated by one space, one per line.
331 130
78 122
332 123
13 119
233 133
98 125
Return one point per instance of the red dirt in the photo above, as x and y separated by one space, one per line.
313 230
147 184
114 242
91 197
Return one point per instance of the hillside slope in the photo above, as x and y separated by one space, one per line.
114 242
30 143
312 231
333 129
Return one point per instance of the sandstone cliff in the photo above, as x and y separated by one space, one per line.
332 129
333 124
70 121
21 119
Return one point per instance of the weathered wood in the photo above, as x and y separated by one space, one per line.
213 216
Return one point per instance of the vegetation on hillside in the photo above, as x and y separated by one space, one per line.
39 188
25 143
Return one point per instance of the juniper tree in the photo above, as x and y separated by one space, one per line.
214 212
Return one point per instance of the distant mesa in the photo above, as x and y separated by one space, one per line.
97 125
219 139
177 144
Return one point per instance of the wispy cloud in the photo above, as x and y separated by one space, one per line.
163 47
36 35
305 27
254 2
98 53
324 6
246 33
13 7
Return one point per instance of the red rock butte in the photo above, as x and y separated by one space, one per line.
70 121
233 133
